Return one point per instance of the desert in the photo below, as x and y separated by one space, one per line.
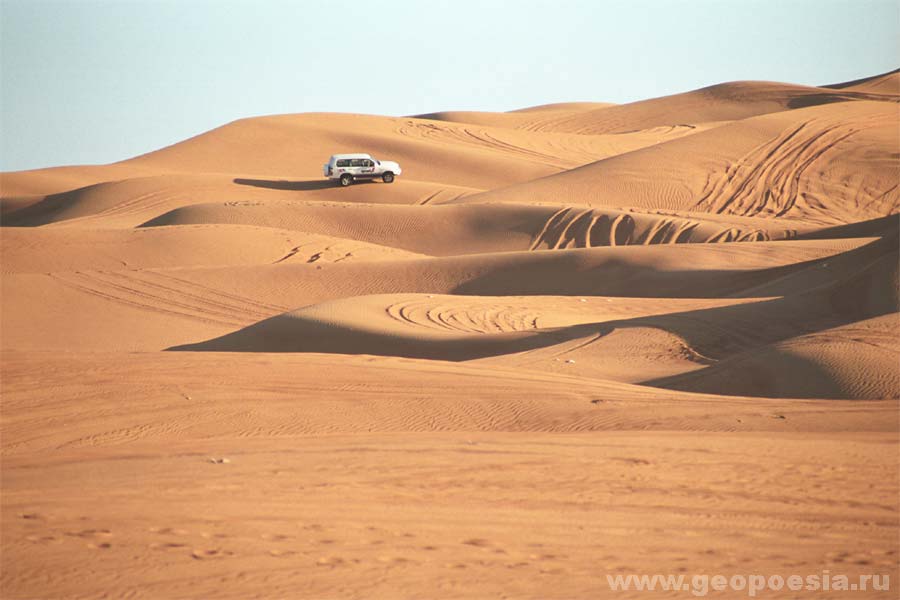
570 341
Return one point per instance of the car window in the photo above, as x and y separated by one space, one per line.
369 163
356 162
343 162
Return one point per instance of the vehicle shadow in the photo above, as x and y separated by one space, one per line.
280 184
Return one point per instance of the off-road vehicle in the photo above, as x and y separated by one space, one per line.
346 168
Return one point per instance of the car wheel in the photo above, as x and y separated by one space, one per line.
388 177
346 179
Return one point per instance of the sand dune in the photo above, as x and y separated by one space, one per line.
565 332
430 150
888 83
134 201
193 304
863 285
479 228
55 250
427 326
852 361
289 148
724 102
563 106
825 164
369 325
534 118
25 187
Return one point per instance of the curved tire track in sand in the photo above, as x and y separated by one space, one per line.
589 228
768 180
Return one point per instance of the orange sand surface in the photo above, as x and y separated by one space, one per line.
570 341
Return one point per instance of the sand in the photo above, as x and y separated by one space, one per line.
570 341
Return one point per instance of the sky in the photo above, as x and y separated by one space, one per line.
97 81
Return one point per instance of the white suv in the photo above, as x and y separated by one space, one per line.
347 167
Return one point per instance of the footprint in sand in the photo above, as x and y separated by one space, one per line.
211 553
167 546
167 531
90 533
101 546
393 560
43 539
330 561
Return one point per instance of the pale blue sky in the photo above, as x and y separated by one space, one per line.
96 81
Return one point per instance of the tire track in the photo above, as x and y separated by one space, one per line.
263 307
225 308
769 180
117 287
590 228
462 317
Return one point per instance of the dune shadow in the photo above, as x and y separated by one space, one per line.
737 342
615 277
823 98
52 208
761 372
819 99
878 227
289 334
280 184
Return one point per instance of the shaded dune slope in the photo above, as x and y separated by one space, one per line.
851 361
836 341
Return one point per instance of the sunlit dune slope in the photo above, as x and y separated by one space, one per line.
21 188
888 83
292 148
55 250
563 106
230 475
535 118
723 102
832 163
472 155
